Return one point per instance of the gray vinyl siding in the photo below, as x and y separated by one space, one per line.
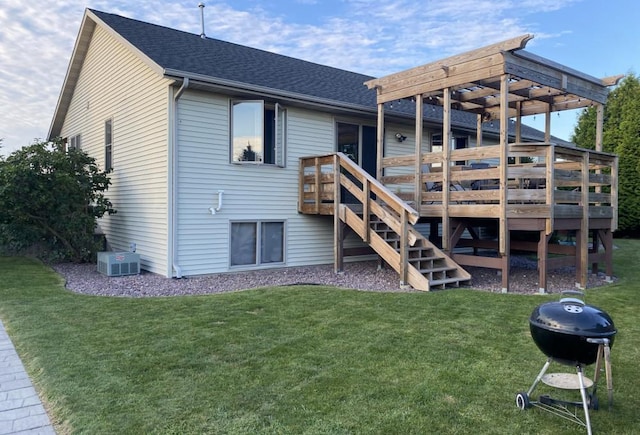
251 192
115 84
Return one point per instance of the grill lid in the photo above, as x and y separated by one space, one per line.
569 331
571 316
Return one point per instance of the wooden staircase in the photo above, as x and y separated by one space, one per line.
381 219
425 266
430 268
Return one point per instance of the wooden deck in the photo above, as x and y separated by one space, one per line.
574 176
509 189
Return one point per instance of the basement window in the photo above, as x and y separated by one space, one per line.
258 133
257 243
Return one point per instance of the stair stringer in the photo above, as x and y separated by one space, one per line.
415 278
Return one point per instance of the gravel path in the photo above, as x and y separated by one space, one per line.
83 278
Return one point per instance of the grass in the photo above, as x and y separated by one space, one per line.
308 359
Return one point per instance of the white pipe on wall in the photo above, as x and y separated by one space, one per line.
219 207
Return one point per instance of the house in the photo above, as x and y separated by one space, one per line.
208 143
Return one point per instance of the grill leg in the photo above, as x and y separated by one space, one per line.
585 403
607 368
540 375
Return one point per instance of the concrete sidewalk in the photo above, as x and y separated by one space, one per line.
21 411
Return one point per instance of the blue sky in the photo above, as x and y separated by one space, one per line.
366 36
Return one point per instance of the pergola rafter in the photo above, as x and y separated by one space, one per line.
474 81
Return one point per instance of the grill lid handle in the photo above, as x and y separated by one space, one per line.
575 297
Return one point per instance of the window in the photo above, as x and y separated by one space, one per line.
257 243
460 142
108 145
73 143
457 142
258 133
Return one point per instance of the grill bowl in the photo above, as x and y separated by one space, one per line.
561 329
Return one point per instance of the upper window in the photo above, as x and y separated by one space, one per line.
258 133
108 145
74 143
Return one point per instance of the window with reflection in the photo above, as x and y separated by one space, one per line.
258 133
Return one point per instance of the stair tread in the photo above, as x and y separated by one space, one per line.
438 269
446 281
426 258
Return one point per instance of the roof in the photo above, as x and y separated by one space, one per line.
209 61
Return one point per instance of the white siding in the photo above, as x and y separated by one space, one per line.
251 192
115 84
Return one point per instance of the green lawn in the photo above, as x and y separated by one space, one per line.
305 359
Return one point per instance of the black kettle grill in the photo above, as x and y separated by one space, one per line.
573 333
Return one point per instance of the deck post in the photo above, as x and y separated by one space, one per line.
338 250
300 185
595 248
318 186
505 267
607 241
582 266
543 254
404 248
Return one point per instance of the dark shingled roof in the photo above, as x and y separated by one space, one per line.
181 51
213 59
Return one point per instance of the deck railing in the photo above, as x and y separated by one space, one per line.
322 180
318 181
543 180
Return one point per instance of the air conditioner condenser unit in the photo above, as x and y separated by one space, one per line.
118 263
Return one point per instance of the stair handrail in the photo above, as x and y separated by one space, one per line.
379 189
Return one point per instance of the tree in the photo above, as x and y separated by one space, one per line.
621 135
51 198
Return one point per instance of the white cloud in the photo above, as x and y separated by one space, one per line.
371 37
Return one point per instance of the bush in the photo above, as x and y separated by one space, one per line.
50 199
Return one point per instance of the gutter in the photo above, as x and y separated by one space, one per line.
173 180
264 90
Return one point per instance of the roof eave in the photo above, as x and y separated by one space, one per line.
73 71
83 40
241 87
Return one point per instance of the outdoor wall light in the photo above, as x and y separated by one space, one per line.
400 137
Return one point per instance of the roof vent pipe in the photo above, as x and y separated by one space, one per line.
201 6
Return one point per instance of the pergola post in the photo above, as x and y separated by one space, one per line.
418 151
478 130
380 140
446 167
504 154
547 124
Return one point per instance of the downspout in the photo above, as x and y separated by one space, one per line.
173 157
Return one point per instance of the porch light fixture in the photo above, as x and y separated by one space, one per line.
400 137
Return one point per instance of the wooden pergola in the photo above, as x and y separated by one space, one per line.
503 83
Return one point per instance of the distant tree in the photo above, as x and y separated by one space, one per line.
51 198
248 155
621 135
